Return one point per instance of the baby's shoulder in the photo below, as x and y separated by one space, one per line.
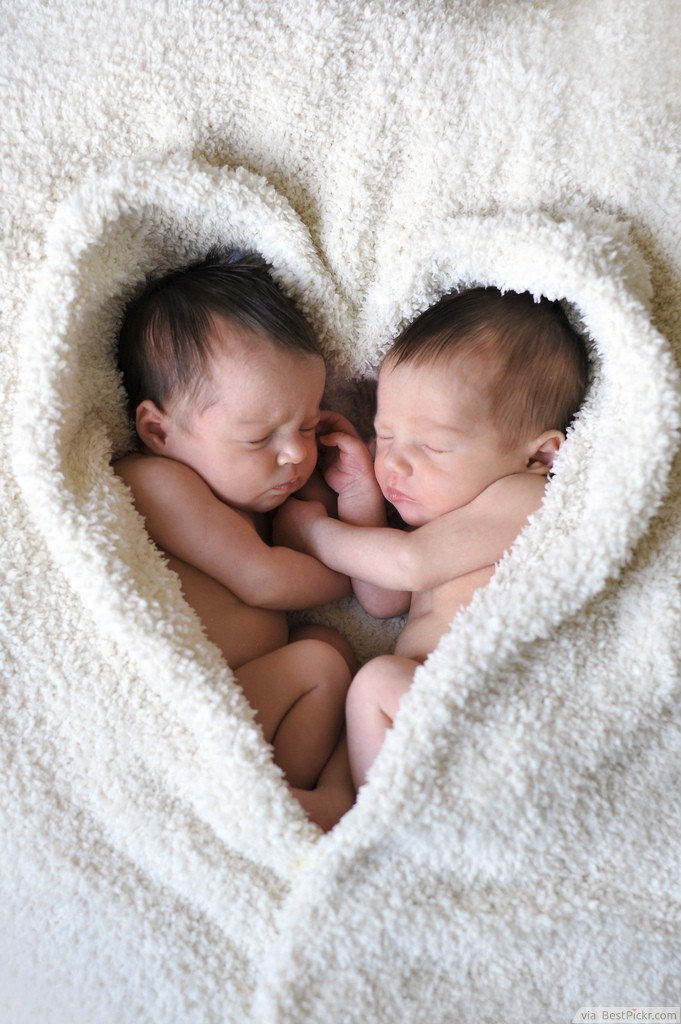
166 478
517 492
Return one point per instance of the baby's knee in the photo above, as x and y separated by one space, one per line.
329 636
367 682
376 672
382 682
329 667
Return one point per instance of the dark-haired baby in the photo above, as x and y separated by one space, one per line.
224 380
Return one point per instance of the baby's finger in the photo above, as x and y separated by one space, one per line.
330 421
339 439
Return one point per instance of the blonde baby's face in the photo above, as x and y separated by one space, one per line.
255 442
436 448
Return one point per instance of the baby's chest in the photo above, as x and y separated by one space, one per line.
443 602
431 613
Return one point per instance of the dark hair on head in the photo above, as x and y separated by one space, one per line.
166 341
536 365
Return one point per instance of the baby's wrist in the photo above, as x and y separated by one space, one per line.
362 505
318 536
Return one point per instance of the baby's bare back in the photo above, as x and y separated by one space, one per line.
431 613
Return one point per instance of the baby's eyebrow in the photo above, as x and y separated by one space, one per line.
269 424
425 426
246 422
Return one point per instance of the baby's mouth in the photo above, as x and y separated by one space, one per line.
393 495
288 486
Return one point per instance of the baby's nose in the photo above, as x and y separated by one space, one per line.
293 450
395 460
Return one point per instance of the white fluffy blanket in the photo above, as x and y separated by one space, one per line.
515 855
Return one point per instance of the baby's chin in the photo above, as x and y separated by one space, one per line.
414 521
409 516
271 505
257 506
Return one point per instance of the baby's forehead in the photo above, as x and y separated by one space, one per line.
463 364
246 346
437 393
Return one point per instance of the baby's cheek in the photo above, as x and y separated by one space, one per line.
307 467
379 472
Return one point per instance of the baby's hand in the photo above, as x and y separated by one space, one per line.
346 462
293 522
330 420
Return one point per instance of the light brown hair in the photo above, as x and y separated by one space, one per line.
536 366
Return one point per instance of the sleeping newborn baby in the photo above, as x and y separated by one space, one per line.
473 402
224 381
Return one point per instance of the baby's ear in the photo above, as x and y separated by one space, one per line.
151 426
542 451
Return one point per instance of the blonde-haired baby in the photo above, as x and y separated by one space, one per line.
473 402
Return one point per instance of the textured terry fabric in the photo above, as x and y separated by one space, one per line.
515 854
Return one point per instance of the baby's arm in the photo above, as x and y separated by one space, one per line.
185 519
457 543
317 489
349 470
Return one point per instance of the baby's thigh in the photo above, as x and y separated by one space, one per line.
309 669
381 683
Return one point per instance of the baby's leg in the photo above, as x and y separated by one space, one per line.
334 793
372 704
315 631
298 693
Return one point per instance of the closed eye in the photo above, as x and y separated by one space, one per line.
259 442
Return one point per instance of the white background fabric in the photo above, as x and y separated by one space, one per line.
515 853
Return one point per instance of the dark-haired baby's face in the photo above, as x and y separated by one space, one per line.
255 443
